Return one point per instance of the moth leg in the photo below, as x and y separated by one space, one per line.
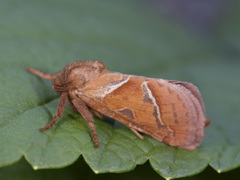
87 115
137 133
99 115
42 74
59 112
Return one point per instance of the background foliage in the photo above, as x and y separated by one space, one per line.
129 37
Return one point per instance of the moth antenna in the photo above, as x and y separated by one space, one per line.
42 74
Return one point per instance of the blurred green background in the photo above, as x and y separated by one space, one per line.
188 40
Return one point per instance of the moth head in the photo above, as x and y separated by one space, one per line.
76 74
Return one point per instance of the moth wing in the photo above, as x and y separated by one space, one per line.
120 97
193 89
188 112
153 106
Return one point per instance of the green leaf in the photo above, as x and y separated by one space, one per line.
129 38
80 170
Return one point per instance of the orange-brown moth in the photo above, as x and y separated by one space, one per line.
169 111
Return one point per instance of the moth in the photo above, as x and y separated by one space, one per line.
170 111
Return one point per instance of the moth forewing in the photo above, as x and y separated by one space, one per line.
170 111
167 111
189 117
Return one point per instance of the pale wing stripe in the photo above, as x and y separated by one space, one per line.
102 90
154 103
110 89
